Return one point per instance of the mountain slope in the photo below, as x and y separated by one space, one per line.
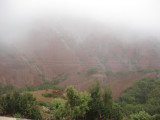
68 58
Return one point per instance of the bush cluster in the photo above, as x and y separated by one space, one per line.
144 95
17 104
89 105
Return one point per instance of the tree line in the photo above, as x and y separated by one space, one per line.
142 100
139 102
90 105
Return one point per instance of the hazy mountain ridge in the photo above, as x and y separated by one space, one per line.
46 52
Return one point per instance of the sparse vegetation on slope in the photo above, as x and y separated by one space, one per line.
92 71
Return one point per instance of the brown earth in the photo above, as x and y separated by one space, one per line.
40 97
47 54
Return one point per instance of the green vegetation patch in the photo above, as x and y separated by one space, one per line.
92 71
144 95
59 78
17 104
91 105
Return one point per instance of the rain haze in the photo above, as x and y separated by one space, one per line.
80 59
124 15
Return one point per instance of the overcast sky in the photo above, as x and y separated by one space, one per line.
137 14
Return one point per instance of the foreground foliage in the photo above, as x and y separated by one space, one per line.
58 108
102 105
75 107
77 103
20 104
87 105
139 102
142 115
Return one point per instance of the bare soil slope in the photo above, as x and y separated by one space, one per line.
56 55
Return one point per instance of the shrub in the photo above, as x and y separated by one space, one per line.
46 94
143 95
102 106
17 115
54 95
8 88
95 104
92 71
77 103
57 81
41 103
142 115
58 109
24 104
63 97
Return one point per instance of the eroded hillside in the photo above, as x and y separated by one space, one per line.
61 55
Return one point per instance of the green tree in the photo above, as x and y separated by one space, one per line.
95 104
58 109
111 110
8 88
143 95
28 106
102 106
9 103
24 104
107 103
0 89
77 103
116 112
142 115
